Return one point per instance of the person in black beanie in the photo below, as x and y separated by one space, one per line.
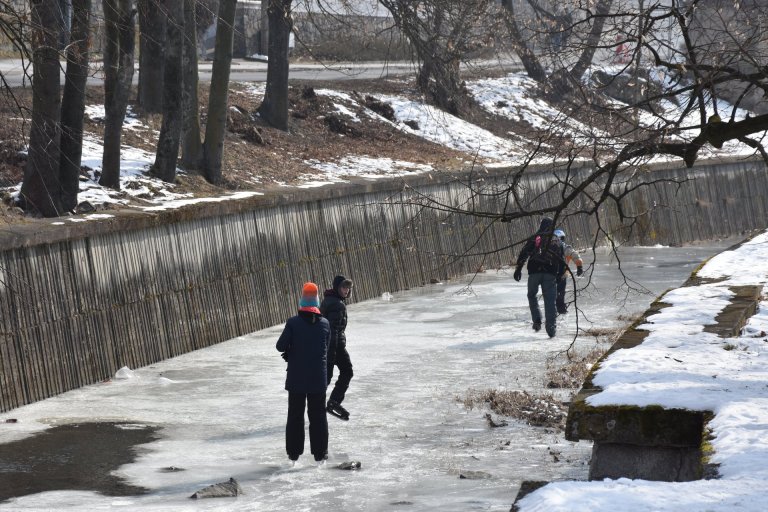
334 309
304 345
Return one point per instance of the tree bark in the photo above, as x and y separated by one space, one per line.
73 103
563 80
41 188
274 108
118 72
530 62
170 131
592 42
442 33
191 145
213 147
152 33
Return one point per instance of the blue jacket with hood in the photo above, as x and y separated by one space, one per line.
305 341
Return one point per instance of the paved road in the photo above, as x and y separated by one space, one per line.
16 72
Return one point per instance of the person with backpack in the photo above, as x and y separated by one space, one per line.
570 255
546 264
304 345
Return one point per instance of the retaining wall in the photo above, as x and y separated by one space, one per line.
80 300
652 442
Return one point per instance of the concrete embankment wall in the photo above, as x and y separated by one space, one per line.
82 299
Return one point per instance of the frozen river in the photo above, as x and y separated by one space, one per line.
221 411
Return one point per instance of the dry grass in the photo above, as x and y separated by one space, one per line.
563 372
570 372
536 410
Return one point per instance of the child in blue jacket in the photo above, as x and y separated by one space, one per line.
304 344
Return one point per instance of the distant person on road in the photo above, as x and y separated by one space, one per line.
304 344
546 265
334 309
570 255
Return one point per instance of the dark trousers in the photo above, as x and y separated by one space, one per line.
562 307
318 425
548 291
344 363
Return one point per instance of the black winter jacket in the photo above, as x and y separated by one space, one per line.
554 260
305 339
335 310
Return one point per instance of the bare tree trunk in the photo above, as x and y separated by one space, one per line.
427 52
118 72
440 78
213 147
530 62
592 42
439 74
191 145
41 188
152 21
274 108
442 33
73 103
170 131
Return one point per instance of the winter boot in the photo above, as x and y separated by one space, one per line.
551 330
537 326
334 408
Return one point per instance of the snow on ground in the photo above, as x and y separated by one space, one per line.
514 97
362 167
448 130
680 366
135 182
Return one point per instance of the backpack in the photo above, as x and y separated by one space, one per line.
547 253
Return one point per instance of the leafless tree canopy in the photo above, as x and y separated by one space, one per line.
615 64
442 33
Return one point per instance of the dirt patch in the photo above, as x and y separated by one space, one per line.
72 457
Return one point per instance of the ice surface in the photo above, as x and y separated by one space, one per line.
222 410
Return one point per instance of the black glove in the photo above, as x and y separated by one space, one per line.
518 274
284 355
579 271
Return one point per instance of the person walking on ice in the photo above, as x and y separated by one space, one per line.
304 345
334 309
546 264
570 255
